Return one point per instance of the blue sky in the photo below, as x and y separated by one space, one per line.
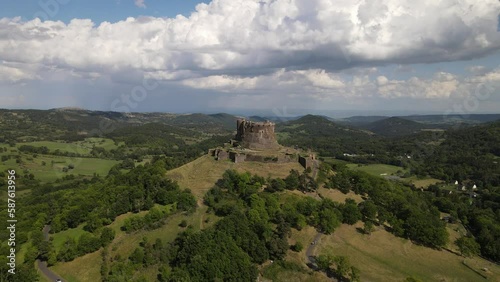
98 11
275 56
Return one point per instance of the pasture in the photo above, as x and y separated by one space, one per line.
383 257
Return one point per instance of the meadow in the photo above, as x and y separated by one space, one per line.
383 257
377 169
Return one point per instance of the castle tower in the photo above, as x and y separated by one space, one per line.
256 135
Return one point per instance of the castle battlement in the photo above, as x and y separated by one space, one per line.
259 137
256 135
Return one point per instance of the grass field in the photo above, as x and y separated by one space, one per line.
201 174
337 196
81 147
331 160
383 257
277 273
85 268
376 169
423 183
305 237
54 165
63 147
48 168
60 237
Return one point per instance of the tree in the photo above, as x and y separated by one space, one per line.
276 185
277 247
137 257
368 227
369 210
328 220
292 180
343 266
350 212
183 223
324 261
355 274
298 247
87 244
300 222
468 246
211 255
107 236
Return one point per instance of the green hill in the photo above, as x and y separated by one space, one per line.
327 137
214 124
395 126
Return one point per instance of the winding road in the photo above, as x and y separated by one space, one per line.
42 265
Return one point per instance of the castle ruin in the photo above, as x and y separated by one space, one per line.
256 135
256 142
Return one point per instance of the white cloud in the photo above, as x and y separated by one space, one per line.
261 51
140 3
228 36
324 86
382 80
14 73
222 83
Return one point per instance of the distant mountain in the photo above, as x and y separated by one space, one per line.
435 121
257 118
275 119
76 124
396 126
361 120
216 123
454 119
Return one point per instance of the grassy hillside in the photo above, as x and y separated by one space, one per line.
201 174
383 257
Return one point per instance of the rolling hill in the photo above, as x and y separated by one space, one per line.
327 137
396 126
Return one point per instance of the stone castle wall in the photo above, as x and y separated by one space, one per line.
256 135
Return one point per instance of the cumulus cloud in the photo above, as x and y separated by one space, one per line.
14 73
324 86
262 52
140 3
242 36
222 83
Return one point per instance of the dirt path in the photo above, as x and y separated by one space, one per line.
42 265
310 250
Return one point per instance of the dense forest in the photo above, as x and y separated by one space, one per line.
95 203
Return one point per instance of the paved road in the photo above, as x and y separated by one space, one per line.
42 265
310 250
